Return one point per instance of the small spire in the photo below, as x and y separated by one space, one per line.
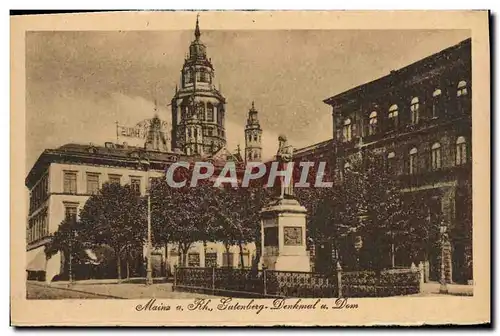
197 29
253 105
156 107
238 149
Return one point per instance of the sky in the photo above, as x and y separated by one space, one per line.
78 84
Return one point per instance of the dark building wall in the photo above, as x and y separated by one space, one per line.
443 119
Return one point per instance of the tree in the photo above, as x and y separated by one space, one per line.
180 215
235 214
384 218
68 240
115 216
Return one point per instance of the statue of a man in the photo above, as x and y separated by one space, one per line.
284 157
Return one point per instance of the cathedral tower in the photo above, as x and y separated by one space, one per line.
198 104
253 136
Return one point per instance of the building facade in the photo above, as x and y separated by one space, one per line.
419 119
63 179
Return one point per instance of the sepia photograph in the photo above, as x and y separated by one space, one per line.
209 167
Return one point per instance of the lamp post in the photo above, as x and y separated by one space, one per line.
443 289
149 272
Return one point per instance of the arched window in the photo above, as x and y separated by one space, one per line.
393 116
188 76
347 130
413 161
200 111
436 103
255 137
436 156
198 76
391 157
372 127
414 107
461 151
210 112
462 88
203 75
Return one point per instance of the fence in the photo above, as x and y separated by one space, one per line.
251 283
270 283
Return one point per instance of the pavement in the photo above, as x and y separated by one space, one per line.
113 290
61 290
432 289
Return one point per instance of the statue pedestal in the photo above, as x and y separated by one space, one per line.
283 229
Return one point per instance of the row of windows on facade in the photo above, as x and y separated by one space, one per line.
201 76
200 109
436 157
39 193
70 182
209 131
253 155
256 138
193 259
38 226
393 113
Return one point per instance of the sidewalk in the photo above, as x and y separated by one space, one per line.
129 290
432 288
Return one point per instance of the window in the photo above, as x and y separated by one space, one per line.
210 112
461 151
39 193
227 260
200 111
198 77
115 179
414 107
70 211
436 103
194 259
436 156
393 116
188 76
135 182
462 89
255 137
372 127
390 162
347 130
70 182
92 183
413 161
203 76
211 259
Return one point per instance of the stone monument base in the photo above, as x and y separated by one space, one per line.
284 236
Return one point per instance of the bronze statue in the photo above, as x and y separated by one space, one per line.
284 157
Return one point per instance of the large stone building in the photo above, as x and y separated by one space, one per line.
419 119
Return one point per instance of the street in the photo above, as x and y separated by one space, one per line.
38 290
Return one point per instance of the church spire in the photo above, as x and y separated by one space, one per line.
197 33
